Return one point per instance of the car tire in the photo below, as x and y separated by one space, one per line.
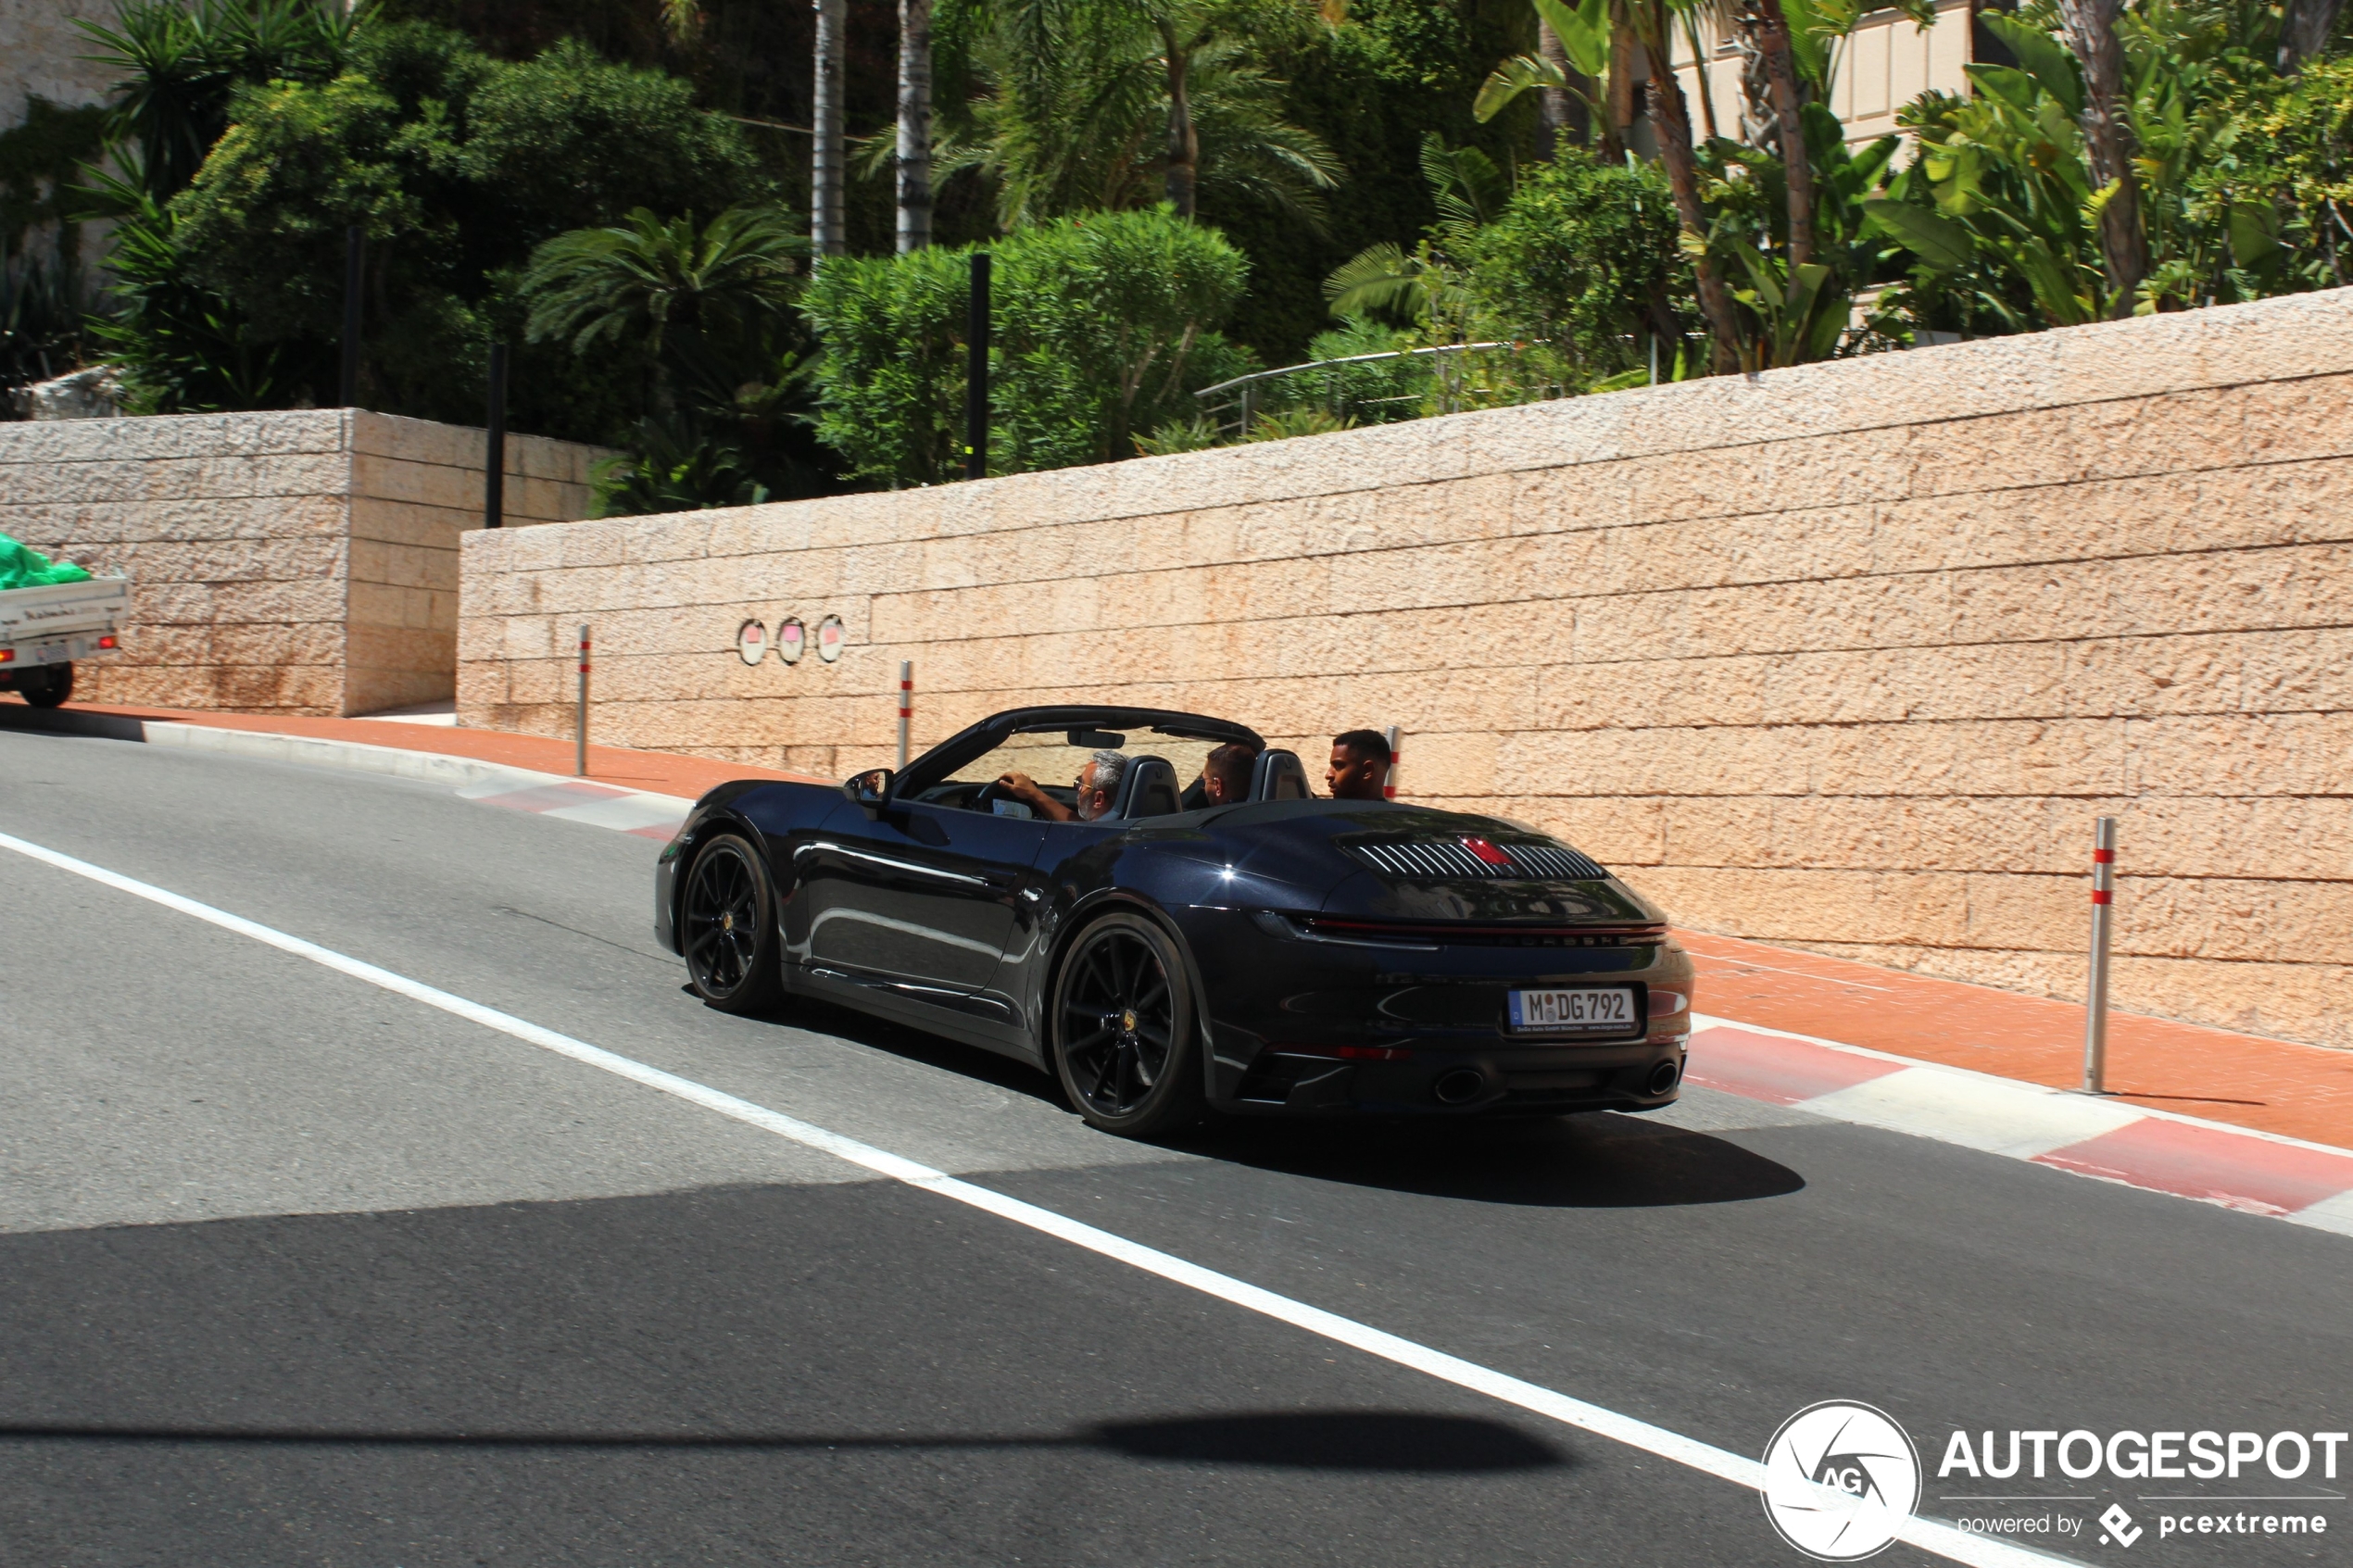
1126 1030
727 927
56 684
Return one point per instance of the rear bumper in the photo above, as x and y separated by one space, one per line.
1308 1027
30 655
1641 1076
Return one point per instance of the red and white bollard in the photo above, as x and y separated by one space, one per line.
1396 751
2095 1001
906 707
579 758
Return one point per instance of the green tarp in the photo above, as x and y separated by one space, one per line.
21 568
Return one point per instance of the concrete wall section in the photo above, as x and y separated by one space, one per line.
1847 657
300 561
415 487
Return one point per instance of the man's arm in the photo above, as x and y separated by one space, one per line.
1023 788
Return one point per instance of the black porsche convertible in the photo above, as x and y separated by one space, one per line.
1279 954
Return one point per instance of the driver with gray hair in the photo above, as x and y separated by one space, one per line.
1098 790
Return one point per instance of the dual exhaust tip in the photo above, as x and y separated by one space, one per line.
1465 1085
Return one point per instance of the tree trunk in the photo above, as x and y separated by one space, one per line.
914 125
1701 73
1184 142
1625 79
2304 32
2108 136
825 237
1672 122
1797 170
1552 103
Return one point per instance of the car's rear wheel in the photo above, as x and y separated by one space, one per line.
1125 1031
47 686
727 927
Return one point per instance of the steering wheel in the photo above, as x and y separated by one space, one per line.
991 793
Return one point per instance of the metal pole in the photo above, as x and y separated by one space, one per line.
493 466
906 706
1396 752
580 760
977 373
2102 907
355 247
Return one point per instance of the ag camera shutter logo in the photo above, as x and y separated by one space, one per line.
1841 1481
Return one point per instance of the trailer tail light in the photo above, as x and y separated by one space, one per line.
108 641
8 656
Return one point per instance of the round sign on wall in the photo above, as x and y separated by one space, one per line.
830 637
751 642
792 639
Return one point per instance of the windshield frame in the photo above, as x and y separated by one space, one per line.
941 761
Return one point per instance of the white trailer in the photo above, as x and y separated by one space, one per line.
44 631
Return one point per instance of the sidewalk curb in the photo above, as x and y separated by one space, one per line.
429 766
2232 1167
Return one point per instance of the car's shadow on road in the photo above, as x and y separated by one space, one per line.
1404 1442
1599 1161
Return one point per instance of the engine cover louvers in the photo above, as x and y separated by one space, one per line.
1479 859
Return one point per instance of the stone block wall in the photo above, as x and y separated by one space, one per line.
1845 657
292 562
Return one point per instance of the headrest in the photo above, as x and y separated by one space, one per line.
1278 776
1147 788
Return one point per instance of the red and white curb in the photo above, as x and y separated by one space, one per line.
579 800
2159 1150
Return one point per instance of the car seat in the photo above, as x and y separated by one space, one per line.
1148 788
1278 776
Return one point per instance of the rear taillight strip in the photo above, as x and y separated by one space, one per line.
1444 857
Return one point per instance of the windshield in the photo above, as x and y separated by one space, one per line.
1048 757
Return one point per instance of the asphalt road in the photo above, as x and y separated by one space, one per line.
294 1270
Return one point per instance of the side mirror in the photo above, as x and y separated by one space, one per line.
869 790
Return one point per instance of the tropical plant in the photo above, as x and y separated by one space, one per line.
457 167
1584 258
177 67
671 468
1101 328
2008 221
180 346
1100 104
664 283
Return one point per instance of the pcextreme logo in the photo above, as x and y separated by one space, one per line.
1840 1480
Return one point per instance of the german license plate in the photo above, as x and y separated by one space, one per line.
1586 1009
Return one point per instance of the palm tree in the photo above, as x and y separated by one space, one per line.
826 236
1103 104
914 124
665 284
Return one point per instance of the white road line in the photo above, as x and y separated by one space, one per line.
1943 1540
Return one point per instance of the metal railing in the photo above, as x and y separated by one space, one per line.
1246 387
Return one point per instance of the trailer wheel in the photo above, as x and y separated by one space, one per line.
48 686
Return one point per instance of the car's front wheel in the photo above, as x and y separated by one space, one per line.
1124 1029
727 927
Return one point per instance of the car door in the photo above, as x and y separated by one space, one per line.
919 898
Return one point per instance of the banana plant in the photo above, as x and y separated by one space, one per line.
2000 201
1584 31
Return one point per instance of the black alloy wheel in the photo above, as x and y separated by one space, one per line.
1125 1034
727 927
47 686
